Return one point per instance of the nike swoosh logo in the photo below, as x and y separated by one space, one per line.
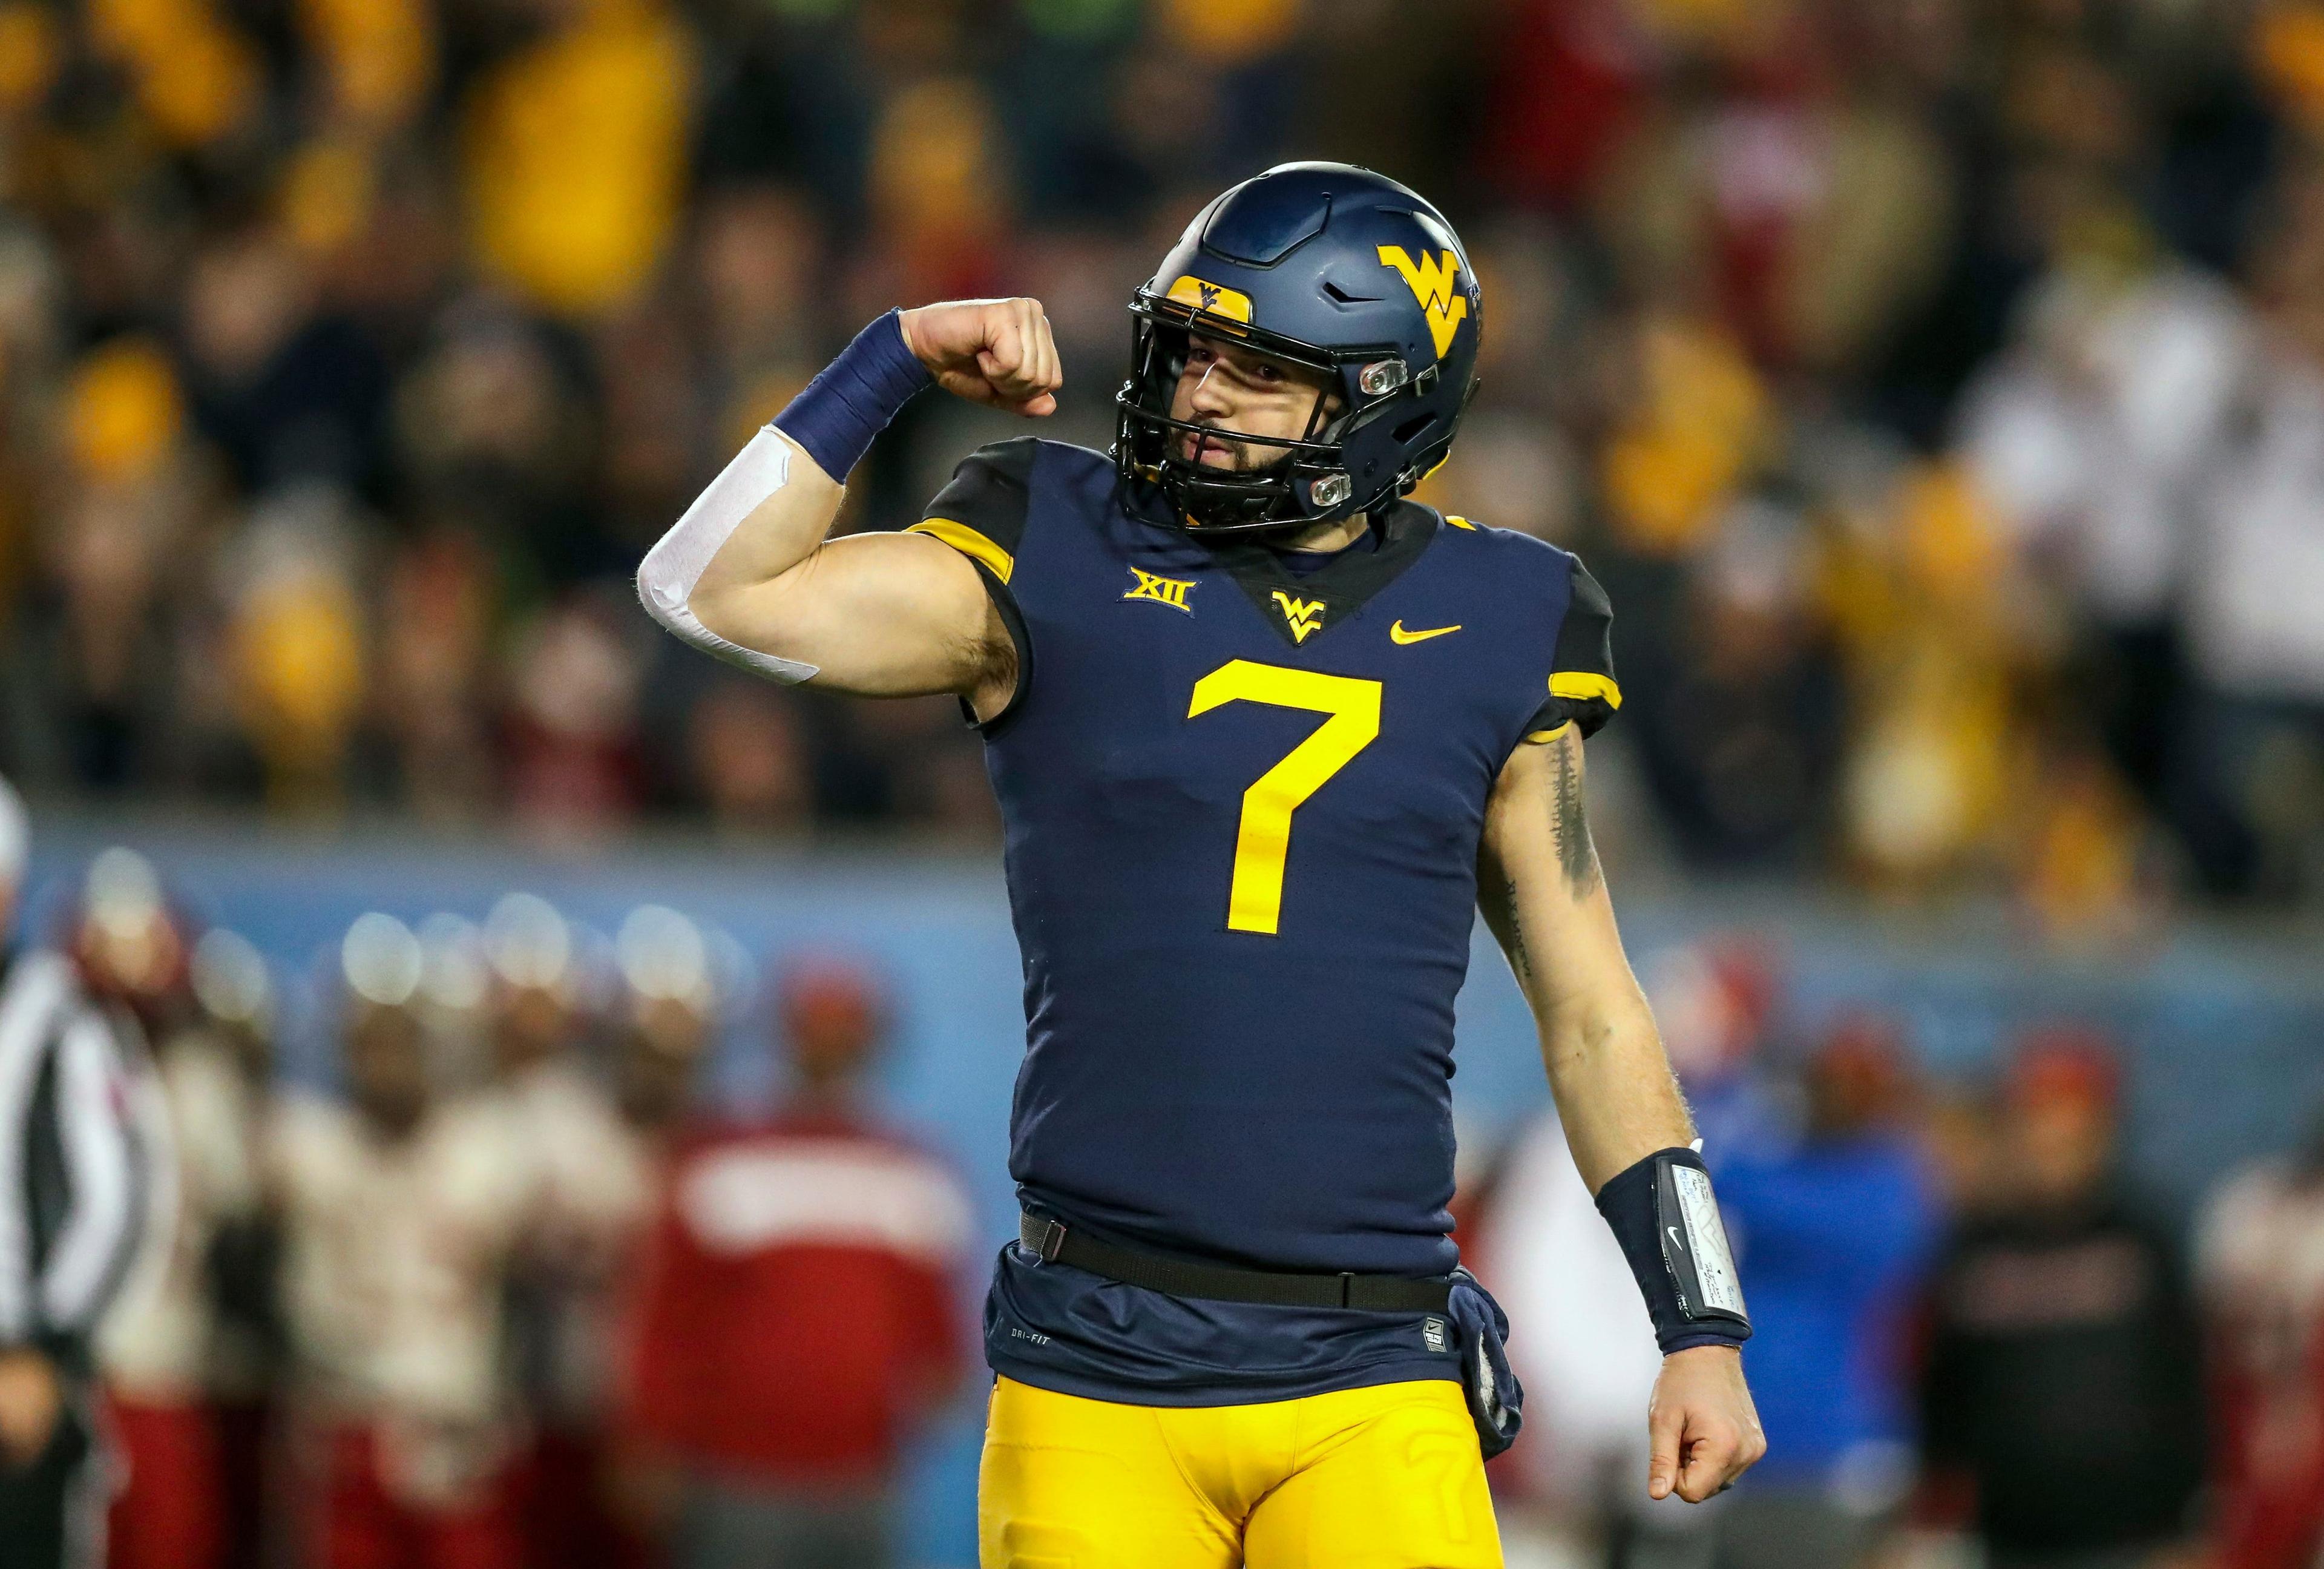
1675 1238
1399 634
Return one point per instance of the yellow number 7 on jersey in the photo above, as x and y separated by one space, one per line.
1255 902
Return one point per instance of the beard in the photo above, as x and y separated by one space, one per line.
1203 451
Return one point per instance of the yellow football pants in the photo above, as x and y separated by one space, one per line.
1384 1478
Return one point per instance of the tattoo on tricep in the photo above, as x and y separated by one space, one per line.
1568 827
1519 960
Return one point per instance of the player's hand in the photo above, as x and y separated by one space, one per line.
30 1400
1704 1429
997 352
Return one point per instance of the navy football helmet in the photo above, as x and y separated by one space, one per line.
1323 265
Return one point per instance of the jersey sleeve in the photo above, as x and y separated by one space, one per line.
980 512
1582 691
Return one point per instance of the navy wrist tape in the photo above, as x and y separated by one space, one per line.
1663 1213
840 411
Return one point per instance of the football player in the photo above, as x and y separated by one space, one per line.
1264 736
402 1207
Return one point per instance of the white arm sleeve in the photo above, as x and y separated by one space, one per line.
667 576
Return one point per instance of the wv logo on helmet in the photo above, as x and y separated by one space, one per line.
1431 281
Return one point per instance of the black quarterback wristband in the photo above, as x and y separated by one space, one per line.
1667 1222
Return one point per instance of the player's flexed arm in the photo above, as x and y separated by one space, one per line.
748 575
1544 898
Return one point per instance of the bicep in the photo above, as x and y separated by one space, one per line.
877 614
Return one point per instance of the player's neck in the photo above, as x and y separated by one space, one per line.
1334 534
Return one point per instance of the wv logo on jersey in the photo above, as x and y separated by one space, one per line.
1303 616
1169 591
1432 281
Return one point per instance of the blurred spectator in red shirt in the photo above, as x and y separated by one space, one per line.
591 1197
573 764
750 760
430 694
2062 1384
663 1019
668 1015
2260 1252
189 1353
402 1208
799 1317
131 951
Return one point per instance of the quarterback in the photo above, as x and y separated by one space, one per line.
1265 737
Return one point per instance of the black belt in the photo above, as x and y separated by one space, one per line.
1054 1242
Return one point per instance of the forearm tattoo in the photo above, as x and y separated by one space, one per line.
1577 857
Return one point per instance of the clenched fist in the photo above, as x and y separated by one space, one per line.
1704 1429
989 351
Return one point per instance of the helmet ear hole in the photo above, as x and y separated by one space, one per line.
1425 462
1411 429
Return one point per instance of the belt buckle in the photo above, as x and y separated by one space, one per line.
1052 1239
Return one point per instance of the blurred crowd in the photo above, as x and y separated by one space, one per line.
1937 386
512 1284
1979 1341
505 1294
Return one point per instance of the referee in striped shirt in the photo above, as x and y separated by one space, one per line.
76 1192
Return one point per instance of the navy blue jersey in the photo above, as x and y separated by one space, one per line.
1244 806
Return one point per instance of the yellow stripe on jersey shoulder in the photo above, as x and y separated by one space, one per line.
968 542
1581 686
1459 522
